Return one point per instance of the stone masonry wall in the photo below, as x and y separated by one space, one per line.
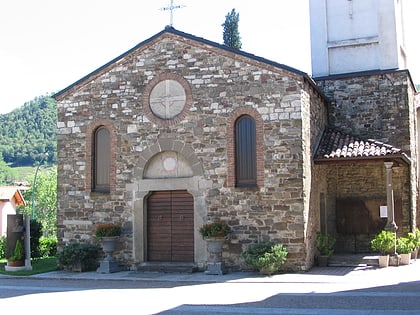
372 106
365 181
221 82
379 106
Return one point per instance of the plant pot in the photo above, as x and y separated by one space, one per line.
323 260
215 245
405 259
109 263
383 261
215 249
414 254
109 244
19 263
268 271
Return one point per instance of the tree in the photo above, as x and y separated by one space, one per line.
28 132
231 36
45 201
7 174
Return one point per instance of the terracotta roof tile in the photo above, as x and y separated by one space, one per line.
336 144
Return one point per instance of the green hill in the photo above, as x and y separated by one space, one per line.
28 132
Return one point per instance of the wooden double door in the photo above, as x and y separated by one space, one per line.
170 226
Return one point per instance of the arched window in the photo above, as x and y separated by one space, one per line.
101 160
245 152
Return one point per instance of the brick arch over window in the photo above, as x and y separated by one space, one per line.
231 144
91 152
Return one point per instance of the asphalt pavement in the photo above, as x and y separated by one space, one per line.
321 291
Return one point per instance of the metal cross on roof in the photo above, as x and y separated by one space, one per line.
171 8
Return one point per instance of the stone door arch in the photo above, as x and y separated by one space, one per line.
168 166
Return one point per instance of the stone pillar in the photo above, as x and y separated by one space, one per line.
28 265
391 225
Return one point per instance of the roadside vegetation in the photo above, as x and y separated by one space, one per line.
39 265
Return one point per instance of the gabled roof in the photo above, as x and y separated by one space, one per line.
7 193
337 145
172 30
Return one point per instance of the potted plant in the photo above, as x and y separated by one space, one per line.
266 257
108 234
215 230
18 257
382 243
215 235
325 245
415 239
404 247
107 230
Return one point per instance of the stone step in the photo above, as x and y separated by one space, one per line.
353 260
168 267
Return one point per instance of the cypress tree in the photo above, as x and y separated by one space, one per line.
231 36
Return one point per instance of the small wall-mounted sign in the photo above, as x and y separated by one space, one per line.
383 211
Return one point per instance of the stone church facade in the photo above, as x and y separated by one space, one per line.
180 131
191 147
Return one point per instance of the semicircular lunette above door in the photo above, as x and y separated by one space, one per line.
168 164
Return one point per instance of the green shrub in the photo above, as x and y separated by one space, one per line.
415 238
81 256
18 252
325 244
48 246
404 245
383 242
2 247
266 257
36 233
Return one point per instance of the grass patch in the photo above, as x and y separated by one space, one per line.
39 265
23 173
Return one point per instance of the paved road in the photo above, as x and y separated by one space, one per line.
339 290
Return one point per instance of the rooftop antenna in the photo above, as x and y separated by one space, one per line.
171 8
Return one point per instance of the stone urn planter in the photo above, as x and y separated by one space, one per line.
215 250
108 234
215 234
109 244
108 264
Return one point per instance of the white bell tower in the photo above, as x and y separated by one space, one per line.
356 35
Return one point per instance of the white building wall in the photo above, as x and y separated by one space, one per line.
6 207
356 35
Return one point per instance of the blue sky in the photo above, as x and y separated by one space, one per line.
47 45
